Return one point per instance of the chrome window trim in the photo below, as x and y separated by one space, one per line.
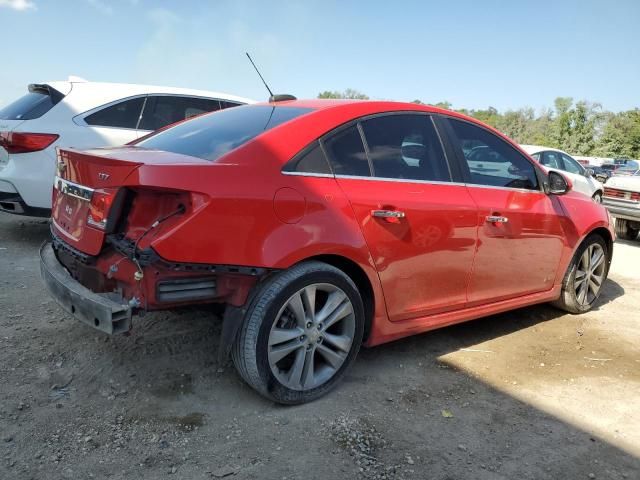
64 186
396 180
408 180
523 190
309 174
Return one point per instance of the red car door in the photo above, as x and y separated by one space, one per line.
520 238
419 226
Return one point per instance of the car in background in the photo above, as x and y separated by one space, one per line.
321 225
81 114
631 167
581 177
599 173
622 199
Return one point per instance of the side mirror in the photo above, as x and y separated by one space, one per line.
558 183
589 172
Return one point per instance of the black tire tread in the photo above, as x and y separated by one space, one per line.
624 231
243 353
567 300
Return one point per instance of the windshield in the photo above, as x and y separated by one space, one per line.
211 136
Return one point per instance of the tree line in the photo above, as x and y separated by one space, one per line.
578 127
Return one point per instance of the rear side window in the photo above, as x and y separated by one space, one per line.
346 153
32 105
121 115
490 160
162 110
211 136
405 147
227 104
311 160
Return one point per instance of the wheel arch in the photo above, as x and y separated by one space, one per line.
360 278
606 236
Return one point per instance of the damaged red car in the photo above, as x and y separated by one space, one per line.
321 226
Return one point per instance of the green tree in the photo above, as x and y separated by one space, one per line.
582 139
349 93
562 123
446 105
621 135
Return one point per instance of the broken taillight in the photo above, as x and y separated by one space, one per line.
99 207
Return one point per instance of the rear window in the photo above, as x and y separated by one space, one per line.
211 136
32 105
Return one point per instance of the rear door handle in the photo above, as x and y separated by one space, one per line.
496 219
387 214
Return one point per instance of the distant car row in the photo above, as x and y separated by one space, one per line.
81 114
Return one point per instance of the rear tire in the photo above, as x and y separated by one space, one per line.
624 230
585 276
301 333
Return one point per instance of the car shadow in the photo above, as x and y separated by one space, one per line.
25 231
631 243
448 421
430 418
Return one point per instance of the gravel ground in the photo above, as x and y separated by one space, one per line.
531 394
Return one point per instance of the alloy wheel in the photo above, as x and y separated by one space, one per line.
590 274
311 336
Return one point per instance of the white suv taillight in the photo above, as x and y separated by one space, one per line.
19 142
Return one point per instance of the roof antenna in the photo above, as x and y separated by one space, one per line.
272 97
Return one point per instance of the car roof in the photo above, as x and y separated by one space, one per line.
130 89
530 149
345 103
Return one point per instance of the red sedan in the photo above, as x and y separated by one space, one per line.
322 226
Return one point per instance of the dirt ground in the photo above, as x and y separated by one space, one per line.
531 394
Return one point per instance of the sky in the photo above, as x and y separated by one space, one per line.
474 54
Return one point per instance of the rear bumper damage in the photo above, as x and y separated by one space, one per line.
107 312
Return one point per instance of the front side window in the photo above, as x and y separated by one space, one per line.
490 160
346 153
121 115
163 110
211 136
552 160
405 147
571 166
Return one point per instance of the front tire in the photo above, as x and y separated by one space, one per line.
624 230
587 273
597 197
301 333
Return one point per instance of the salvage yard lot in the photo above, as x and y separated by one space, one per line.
528 394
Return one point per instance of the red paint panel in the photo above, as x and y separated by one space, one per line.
520 256
423 259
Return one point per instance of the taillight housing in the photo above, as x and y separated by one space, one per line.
20 142
99 207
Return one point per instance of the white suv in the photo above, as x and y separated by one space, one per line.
581 177
81 114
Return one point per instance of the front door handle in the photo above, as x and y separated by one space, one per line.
387 214
496 219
